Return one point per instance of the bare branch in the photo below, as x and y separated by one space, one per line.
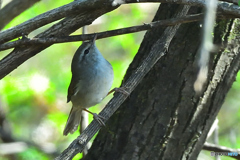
169 22
225 7
13 9
85 5
217 148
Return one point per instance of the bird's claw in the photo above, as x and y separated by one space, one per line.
121 90
99 119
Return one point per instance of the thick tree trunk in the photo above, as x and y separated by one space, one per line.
164 118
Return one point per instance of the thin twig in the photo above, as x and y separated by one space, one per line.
84 5
217 148
169 22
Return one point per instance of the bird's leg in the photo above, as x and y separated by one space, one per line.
121 90
97 117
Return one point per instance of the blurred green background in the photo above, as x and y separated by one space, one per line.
33 97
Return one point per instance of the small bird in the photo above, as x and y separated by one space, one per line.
92 77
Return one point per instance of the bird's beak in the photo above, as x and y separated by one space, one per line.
94 38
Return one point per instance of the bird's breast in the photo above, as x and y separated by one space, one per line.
94 86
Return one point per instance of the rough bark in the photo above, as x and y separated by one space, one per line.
163 118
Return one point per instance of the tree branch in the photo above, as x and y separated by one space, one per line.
217 148
25 41
20 55
225 7
169 22
84 5
13 9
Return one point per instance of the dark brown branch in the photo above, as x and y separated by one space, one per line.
13 9
169 22
217 148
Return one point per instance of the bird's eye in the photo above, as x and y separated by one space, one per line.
86 51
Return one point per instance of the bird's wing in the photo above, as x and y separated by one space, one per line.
72 89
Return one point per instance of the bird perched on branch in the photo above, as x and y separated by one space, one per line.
92 77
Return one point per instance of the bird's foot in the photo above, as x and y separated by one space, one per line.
98 118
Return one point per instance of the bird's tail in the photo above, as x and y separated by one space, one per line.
73 121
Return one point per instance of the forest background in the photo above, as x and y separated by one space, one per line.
33 97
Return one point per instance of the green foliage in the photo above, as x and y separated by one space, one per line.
78 156
32 153
35 10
